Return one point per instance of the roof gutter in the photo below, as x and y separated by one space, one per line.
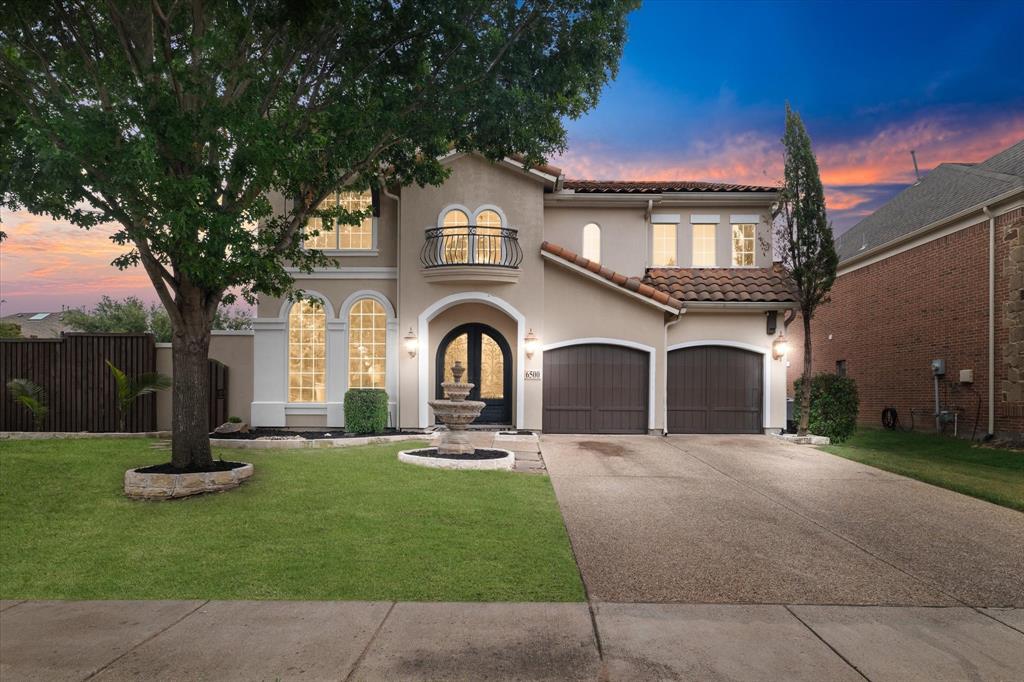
739 305
991 319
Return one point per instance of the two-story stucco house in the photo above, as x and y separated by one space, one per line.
577 306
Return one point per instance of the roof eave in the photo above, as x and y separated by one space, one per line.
921 231
612 285
596 199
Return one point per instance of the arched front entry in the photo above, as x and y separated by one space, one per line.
488 360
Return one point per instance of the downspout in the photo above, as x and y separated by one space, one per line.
664 372
991 320
648 226
398 296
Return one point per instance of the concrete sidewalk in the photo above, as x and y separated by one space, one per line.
184 640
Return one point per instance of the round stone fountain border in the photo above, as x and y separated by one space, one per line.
506 463
153 486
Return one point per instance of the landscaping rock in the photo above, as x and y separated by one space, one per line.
232 427
161 486
809 439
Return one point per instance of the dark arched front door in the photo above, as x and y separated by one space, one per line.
485 354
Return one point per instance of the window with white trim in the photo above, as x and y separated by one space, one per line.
307 352
592 242
337 237
488 237
664 251
455 237
743 236
704 246
367 344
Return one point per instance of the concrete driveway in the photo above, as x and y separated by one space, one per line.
753 520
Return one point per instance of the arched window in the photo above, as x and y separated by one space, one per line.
592 242
488 237
307 352
455 241
367 344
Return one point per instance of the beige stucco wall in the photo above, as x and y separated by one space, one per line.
474 183
626 235
578 308
232 349
336 291
743 328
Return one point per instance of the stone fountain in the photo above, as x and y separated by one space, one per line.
454 451
456 413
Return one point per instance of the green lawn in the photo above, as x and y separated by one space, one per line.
348 523
990 474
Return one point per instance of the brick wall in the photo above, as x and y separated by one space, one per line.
888 320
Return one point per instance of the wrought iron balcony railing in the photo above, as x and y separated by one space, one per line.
471 245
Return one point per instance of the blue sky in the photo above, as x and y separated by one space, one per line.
703 86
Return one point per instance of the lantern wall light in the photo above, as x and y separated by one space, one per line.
412 344
780 346
530 344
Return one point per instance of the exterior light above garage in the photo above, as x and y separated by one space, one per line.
412 344
531 343
780 346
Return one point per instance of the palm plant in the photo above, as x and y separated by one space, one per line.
130 389
33 397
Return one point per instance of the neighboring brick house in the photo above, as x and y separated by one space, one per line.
914 286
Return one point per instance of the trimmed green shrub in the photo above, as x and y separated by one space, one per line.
366 410
834 406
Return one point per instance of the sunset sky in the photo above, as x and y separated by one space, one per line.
701 95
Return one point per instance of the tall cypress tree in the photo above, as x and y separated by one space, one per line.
804 239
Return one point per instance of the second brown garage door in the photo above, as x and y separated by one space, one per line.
715 389
595 388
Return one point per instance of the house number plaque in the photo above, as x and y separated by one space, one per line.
532 375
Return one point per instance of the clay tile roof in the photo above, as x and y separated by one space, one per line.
628 283
753 285
657 186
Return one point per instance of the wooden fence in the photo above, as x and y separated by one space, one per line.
80 389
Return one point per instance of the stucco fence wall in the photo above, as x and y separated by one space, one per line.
234 349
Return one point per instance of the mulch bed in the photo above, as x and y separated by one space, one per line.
168 468
253 434
479 453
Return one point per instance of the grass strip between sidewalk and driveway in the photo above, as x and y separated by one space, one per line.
992 474
326 524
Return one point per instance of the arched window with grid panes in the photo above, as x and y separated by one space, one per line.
455 237
307 352
367 344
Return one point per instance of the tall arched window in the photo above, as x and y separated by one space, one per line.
307 352
592 242
455 242
488 237
367 344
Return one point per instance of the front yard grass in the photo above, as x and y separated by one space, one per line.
991 474
348 523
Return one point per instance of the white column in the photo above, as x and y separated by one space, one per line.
270 372
337 371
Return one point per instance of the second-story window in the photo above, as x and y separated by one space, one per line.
664 245
455 233
334 236
592 242
488 237
704 246
743 245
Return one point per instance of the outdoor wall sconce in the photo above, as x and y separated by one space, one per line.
412 344
530 344
780 346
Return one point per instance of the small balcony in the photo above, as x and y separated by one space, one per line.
471 253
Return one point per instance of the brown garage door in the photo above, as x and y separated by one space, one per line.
715 389
595 388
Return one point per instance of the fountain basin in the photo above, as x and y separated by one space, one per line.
480 459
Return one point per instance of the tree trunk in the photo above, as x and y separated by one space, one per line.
190 429
805 384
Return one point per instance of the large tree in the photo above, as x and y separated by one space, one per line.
803 238
179 121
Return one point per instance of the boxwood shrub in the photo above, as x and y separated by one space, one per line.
366 410
834 406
